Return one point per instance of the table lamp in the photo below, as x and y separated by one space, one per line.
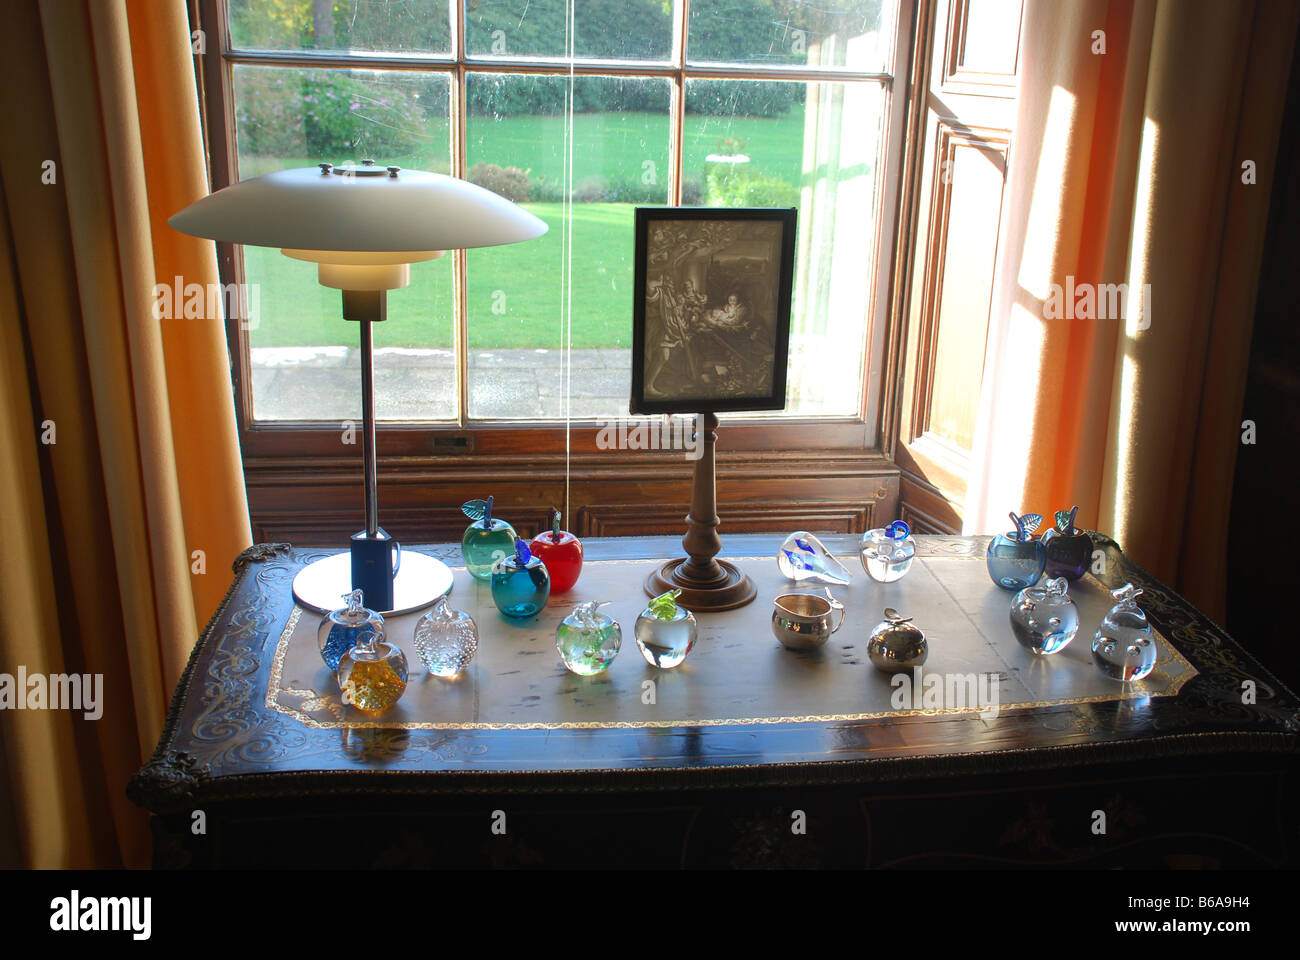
363 225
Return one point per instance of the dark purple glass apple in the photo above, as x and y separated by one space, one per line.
1069 550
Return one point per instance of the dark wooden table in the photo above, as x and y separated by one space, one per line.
1201 778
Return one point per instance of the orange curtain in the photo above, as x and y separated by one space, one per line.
1135 123
124 483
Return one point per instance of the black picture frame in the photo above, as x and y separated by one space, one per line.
711 313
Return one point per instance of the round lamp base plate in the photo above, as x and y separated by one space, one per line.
420 580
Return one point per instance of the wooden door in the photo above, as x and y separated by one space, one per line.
967 107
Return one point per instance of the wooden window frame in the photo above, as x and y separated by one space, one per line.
281 457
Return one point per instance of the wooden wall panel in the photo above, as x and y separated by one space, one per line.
925 509
756 494
764 516
955 314
983 46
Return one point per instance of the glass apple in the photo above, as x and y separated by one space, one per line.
446 639
1124 646
1016 558
561 554
886 552
1044 618
1069 550
343 629
372 675
665 633
486 540
588 640
520 584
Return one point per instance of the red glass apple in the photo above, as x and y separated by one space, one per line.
561 554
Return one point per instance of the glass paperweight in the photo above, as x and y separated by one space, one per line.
666 633
561 552
344 628
1016 558
372 675
1068 549
886 552
486 540
1124 647
588 640
445 639
1044 618
520 584
803 557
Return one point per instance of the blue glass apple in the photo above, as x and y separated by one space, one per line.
1016 558
520 584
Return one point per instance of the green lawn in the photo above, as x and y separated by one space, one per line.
515 292
605 144
617 145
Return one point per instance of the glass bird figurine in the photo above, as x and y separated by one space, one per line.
588 640
520 584
446 639
1016 558
886 552
372 675
1124 647
1044 618
803 557
486 540
1068 549
666 633
343 629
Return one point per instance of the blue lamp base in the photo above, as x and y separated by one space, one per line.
375 562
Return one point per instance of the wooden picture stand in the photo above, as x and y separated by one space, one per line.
706 583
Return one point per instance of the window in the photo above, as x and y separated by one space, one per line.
580 110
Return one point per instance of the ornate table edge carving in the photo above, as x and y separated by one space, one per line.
260 553
164 777
709 778
169 783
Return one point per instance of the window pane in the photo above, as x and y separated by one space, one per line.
370 26
856 34
989 40
821 155
516 146
304 355
603 29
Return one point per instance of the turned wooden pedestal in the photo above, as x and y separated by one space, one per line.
706 583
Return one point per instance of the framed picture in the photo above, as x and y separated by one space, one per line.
711 318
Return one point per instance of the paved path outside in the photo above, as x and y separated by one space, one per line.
324 383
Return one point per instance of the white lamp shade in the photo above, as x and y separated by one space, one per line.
363 209
363 269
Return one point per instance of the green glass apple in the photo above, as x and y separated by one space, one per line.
486 540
